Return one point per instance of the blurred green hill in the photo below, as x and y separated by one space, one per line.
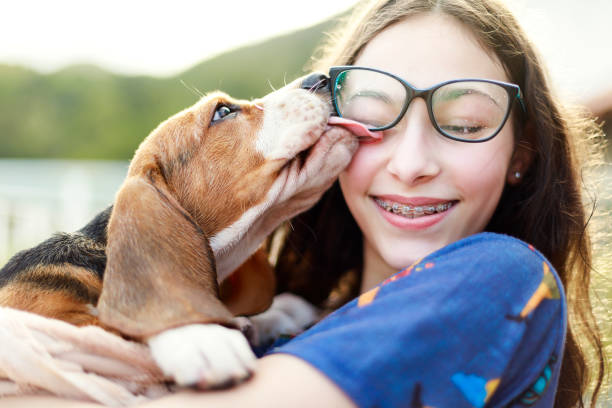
87 113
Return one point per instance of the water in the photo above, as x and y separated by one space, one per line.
39 197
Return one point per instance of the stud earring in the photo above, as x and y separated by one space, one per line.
517 174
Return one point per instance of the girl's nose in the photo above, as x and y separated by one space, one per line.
413 156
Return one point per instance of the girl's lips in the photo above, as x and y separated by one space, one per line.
413 201
358 129
419 217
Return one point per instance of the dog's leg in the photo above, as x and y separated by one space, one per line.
288 315
250 289
205 355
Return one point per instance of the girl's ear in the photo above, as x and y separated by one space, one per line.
522 156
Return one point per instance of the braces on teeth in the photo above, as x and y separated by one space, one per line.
414 211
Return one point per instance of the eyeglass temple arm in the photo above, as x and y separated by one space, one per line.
519 96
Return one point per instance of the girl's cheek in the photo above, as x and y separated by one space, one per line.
480 159
483 171
362 167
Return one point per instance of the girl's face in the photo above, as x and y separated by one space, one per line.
413 164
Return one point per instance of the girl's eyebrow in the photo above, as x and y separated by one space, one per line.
370 93
458 92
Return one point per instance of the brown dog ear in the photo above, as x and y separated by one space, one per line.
160 270
250 288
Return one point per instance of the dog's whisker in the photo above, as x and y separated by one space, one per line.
193 89
199 92
271 86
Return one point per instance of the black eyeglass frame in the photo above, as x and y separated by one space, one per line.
513 90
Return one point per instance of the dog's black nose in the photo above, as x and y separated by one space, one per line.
315 82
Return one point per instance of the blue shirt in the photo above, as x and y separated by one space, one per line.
478 323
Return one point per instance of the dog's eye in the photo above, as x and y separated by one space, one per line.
221 112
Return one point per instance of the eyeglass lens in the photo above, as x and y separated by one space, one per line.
470 110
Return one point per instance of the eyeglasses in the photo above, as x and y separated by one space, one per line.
467 110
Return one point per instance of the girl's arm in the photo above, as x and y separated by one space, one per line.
281 381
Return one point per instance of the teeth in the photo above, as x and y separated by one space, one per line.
416 211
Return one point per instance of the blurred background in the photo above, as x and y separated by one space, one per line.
83 82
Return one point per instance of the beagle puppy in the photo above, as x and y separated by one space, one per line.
202 192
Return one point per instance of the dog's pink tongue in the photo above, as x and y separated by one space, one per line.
357 128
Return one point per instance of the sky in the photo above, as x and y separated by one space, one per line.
575 39
145 37
162 38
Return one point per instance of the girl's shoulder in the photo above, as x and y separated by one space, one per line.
486 268
492 256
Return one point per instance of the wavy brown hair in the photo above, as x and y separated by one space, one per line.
321 258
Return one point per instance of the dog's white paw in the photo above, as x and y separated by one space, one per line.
288 315
206 355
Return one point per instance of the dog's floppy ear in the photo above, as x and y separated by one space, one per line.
160 270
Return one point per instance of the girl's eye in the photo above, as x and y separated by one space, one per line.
221 112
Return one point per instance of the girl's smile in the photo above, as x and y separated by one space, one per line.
413 213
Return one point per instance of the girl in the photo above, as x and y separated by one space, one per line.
541 199
470 140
